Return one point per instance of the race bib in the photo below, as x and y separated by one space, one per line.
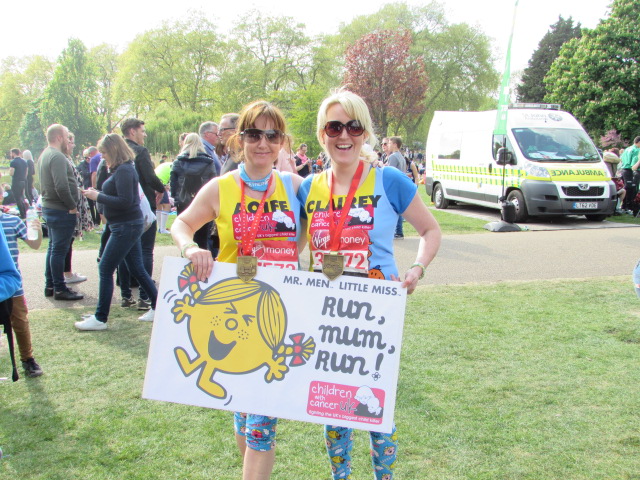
354 246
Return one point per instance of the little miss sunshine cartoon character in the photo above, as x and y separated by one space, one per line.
235 327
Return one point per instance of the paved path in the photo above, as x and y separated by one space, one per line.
484 257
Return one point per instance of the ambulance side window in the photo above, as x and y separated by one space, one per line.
450 145
498 142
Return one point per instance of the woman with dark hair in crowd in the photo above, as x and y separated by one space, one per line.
121 199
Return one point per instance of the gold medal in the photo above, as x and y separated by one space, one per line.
247 267
332 265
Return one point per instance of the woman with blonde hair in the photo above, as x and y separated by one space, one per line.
121 199
27 156
236 202
191 170
345 131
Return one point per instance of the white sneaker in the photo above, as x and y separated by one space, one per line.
91 323
75 278
148 317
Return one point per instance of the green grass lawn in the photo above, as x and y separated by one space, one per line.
535 380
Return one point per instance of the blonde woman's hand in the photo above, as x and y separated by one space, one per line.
410 281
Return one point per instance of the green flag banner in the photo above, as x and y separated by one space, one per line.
504 98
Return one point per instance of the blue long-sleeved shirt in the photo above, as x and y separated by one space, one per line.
120 195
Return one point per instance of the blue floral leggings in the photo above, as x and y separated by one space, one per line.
384 449
260 431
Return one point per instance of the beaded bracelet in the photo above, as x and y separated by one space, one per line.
187 245
424 269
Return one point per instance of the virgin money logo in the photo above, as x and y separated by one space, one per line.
355 238
320 239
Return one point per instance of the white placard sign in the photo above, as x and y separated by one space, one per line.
289 344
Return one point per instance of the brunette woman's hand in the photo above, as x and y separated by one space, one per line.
91 193
202 261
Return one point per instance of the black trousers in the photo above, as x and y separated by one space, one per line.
17 187
631 180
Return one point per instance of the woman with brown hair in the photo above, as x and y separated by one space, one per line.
231 200
121 199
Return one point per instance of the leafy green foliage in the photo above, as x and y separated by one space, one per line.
22 82
596 77
165 124
70 97
175 64
105 59
302 118
459 63
532 87
32 134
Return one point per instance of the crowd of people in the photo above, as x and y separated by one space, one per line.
623 164
223 172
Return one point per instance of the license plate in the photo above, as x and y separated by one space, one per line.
585 205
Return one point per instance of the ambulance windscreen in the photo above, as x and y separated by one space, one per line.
555 144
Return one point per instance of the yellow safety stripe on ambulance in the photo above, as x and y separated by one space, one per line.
462 173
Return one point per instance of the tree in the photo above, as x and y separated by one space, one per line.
532 87
275 48
613 139
301 118
380 69
460 67
32 133
70 97
176 64
105 61
22 82
457 58
12 109
596 77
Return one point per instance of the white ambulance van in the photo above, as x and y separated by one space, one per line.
553 168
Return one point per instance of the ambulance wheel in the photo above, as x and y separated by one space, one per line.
516 197
596 218
438 197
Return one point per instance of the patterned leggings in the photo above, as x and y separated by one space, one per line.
260 431
384 449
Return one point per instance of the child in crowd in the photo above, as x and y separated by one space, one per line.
15 228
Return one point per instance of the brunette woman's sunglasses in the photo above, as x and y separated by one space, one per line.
254 135
334 128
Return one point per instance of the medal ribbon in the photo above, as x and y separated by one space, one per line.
249 235
335 231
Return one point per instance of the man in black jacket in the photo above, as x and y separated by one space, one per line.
18 170
134 133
